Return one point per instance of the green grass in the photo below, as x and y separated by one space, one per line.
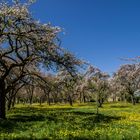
118 121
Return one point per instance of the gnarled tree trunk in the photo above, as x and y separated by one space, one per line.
2 100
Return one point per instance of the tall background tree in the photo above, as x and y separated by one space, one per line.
128 77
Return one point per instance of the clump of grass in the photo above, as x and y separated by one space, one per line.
80 122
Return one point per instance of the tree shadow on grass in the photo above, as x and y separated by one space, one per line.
26 115
91 120
7 126
119 106
23 116
101 118
39 110
53 114
14 122
27 118
97 118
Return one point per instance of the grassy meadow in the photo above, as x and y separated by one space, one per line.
119 121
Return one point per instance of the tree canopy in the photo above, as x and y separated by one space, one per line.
26 45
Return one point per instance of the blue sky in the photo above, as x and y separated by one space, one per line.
99 31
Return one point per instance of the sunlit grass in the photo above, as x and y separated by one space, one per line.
115 122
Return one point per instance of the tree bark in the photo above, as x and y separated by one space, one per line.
13 101
84 98
70 100
10 98
133 99
2 100
9 104
48 98
100 102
